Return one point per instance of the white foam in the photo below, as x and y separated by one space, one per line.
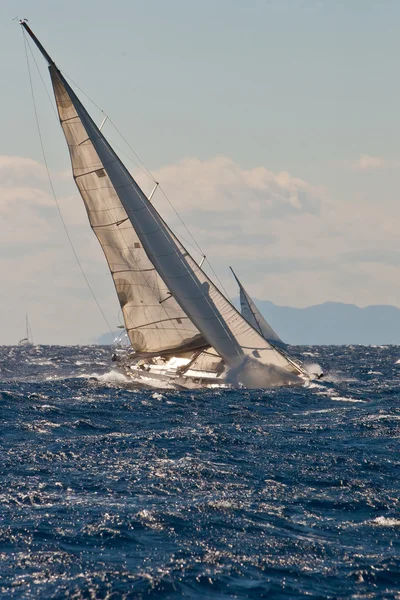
386 522
345 399
316 412
379 417
112 377
336 377
313 369
43 363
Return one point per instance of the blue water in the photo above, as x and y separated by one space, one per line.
108 492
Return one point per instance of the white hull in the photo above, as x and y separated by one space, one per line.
176 373
171 373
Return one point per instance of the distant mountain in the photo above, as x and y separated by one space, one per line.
327 323
334 323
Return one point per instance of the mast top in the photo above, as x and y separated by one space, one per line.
24 24
235 276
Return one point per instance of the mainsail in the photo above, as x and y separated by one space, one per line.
155 323
153 319
251 313
234 339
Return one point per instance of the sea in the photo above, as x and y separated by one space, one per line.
111 492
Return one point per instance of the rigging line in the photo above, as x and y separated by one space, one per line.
149 174
126 155
197 246
196 249
52 187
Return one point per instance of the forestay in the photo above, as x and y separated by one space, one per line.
153 319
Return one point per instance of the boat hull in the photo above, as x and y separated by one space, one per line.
175 372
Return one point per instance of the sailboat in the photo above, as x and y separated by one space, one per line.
28 339
184 333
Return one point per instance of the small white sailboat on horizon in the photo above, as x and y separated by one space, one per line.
183 331
28 339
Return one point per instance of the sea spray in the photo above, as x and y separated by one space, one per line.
253 374
313 369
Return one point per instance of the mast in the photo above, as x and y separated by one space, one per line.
47 56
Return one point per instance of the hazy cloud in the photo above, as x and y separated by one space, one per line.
15 169
371 163
220 184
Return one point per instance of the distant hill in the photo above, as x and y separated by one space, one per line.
334 323
327 323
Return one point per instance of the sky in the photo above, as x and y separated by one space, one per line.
272 125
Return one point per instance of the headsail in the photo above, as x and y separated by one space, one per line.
222 326
251 313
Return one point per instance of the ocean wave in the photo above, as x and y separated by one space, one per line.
111 491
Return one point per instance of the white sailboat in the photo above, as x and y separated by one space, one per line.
183 331
28 339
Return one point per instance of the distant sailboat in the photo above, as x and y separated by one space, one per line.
28 339
251 313
183 332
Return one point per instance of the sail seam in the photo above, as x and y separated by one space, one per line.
134 271
88 173
156 322
69 119
117 223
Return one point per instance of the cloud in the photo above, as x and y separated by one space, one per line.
39 272
220 184
17 169
289 241
372 163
